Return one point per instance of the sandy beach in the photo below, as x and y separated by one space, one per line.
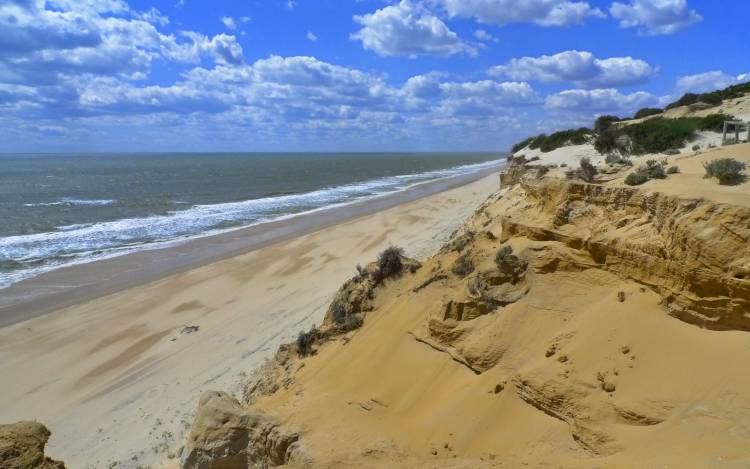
134 367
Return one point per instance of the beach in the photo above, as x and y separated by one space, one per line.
138 350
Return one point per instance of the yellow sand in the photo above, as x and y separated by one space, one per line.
115 378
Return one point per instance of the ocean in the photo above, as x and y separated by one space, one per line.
60 210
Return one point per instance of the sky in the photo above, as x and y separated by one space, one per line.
347 75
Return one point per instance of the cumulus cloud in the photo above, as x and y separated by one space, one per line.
708 81
579 67
540 12
610 101
46 43
311 36
408 29
655 17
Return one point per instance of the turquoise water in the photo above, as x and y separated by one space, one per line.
65 209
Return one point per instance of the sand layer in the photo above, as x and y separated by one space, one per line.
118 378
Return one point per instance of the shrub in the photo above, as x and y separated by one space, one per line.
637 177
587 171
659 135
652 170
614 158
726 170
463 265
605 122
547 143
509 263
305 341
350 323
673 170
647 111
606 142
521 145
686 100
696 147
655 169
389 263
714 122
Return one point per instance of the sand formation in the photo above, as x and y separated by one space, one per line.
22 447
575 324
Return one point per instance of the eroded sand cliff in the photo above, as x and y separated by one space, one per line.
568 324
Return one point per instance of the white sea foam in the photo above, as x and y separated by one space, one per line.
80 243
73 201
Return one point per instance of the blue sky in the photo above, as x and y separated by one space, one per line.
337 75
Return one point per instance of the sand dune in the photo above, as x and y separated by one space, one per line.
616 337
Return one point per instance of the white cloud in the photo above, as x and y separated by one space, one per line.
229 22
483 35
408 29
708 81
311 36
579 67
540 12
655 17
609 101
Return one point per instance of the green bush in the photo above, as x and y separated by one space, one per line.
685 100
647 111
547 143
564 138
606 142
522 144
659 134
714 97
726 170
714 122
605 122
673 170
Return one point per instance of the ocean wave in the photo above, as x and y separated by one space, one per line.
74 244
71 201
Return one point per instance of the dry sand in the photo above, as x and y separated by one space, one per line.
624 344
117 378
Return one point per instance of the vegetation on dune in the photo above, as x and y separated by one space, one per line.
603 123
389 263
714 97
463 265
726 170
660 135
647 111
652 170
305 341
614 158
547 143
673 170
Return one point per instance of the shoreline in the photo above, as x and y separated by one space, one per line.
134 371
70 285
